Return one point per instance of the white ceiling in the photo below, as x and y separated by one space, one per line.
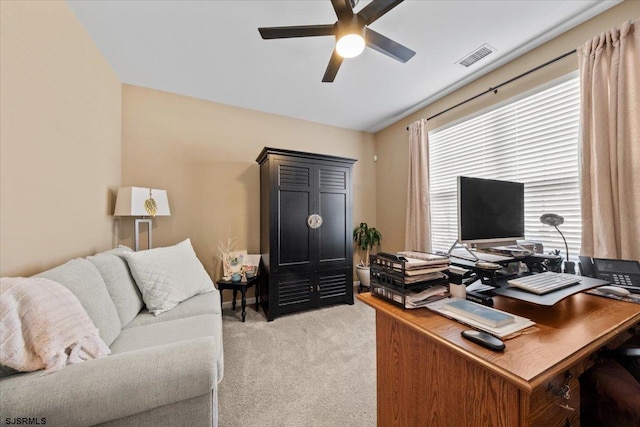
211 49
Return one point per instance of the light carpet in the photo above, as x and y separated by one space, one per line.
315 368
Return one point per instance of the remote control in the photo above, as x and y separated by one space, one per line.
484 339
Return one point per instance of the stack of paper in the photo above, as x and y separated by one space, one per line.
421 299
423 267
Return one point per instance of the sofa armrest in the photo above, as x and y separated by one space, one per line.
113 387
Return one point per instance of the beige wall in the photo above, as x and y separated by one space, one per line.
61 134
60 138
392 142
203 154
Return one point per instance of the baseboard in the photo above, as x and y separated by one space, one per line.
250 301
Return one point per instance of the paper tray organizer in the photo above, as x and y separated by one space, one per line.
388 279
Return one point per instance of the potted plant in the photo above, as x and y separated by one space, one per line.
366 239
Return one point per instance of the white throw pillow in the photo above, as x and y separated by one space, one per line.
167 276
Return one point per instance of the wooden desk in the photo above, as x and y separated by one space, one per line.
428 375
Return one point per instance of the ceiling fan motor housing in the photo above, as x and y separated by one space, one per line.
353 25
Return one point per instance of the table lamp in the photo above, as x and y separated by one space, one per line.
555 220
144 202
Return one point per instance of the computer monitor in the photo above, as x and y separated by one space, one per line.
490 211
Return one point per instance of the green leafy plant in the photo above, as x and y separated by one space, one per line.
366 238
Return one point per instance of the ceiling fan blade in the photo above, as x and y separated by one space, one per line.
332 68
297 31
343 8
376 9
385 45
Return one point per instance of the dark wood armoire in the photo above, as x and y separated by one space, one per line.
305 231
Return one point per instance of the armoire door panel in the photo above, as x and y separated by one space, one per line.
332 178
294 175
295 291
334 286
332 239
294 234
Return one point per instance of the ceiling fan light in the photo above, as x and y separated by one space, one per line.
350 45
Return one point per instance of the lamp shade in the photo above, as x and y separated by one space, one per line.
134 201
552 219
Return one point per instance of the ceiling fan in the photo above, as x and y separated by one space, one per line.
351 32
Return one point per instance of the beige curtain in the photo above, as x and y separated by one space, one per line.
610 143
418 223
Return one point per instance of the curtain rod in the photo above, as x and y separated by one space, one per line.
495 89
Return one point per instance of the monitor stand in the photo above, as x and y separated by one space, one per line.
501 243
457 244
514 251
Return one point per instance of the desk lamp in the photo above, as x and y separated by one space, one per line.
555 220
144 202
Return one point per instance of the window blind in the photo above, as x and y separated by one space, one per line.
534 141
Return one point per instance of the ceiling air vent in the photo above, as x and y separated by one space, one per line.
476 55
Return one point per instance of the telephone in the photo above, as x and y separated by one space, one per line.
618 272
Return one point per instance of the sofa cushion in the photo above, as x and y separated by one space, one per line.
171 332
83 279
208 303
167 276
44 326
123 289
168 332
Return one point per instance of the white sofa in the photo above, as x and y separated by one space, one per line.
162 370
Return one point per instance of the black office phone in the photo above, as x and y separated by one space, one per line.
618 272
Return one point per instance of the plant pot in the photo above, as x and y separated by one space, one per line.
363 275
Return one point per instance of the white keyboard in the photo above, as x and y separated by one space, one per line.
543 283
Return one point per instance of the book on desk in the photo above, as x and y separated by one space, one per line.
482 314
444 308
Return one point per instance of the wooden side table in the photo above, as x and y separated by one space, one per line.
242 287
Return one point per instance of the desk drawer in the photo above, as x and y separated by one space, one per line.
548 407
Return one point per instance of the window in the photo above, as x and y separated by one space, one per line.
533 140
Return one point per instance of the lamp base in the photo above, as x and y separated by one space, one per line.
570 267
137 232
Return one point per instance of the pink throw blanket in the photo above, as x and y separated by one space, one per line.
43 325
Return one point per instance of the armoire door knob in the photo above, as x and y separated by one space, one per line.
314 221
